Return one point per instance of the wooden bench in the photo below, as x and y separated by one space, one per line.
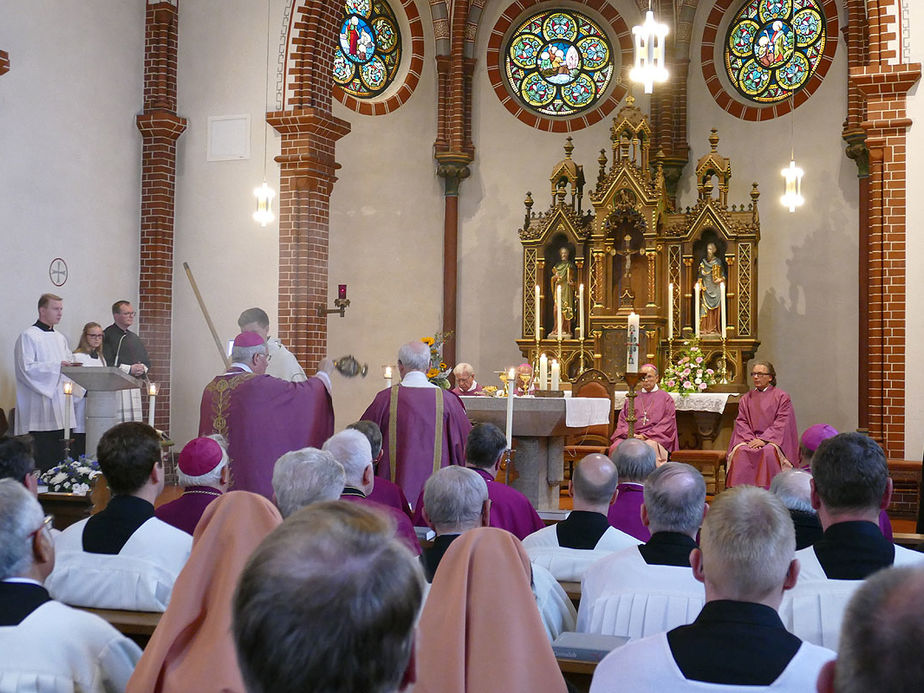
137 625
710 463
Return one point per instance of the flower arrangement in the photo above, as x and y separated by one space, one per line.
439 371
72 476
689 373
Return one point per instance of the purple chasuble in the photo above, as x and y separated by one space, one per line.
404 530
415 434
184 512
263 418
767 415
625 514
474 392
656 418
390 494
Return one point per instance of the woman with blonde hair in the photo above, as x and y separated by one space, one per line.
89 352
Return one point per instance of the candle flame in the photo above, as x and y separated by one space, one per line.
152 389
68 388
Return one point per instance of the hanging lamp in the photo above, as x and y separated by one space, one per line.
649 52
264 193
792 174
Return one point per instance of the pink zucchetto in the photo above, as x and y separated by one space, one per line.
248 339
814 435
200 456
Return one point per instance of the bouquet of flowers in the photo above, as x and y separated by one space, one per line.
72 476
689 373
439 371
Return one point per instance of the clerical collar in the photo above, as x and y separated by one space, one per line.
471 389
43 327
243 366
654 389
350 491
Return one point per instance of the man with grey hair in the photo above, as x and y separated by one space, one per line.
352 450
675 503
634 461
423 427
880 644
738 642
306 476
43 642
264 417
328 602
794 488
282 362
465 380
202 471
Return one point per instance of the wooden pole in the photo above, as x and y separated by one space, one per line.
208 319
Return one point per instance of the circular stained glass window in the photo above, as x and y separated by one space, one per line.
773 47
369 50
558 63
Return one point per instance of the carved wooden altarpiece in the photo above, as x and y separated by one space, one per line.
629 247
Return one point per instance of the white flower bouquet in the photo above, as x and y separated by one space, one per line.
689 373
72 476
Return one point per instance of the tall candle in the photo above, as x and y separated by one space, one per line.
538 315
696 309
511 386
556 375
670 310
558 310
68 390
581 312
724 308
632 343
152 393
543 372
387 376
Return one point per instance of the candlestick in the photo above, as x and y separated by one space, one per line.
696 309
580 325
632 380
556 375
558 310
670 310
724 308
543 372
388 377
538 315
632 341
152 393
511 386
68 390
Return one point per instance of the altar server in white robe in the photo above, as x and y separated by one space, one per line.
122 557
282 362
40 402
45 646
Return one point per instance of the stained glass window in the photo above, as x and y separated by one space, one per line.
773 47
369 50
558 63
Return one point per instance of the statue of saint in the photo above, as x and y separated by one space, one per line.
564 274
711 274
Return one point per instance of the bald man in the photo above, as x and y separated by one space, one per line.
655 414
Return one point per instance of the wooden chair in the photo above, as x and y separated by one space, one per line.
710 463
591 383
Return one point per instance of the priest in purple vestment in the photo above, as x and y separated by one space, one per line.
634 462
202 470
655 417
263 417
465 381
423 426
385 490
765 439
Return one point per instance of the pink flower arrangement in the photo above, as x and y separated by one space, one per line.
689 373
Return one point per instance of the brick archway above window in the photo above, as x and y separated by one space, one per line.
711 54
516 13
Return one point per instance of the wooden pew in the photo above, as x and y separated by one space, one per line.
137 625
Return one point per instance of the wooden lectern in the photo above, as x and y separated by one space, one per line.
103 386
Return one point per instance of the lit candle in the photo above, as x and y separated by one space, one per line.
511 386
556 375
670 310
558 310
724 308
152 392
632 344
581 312
538 315
387 376
696 309
68 390
543 372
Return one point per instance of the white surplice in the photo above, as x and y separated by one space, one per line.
282 363
40 401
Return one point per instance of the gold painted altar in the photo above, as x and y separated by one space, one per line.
585 272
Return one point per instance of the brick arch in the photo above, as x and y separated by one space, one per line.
741 110
310 43
623 36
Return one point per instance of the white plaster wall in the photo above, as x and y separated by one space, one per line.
71 162
808 260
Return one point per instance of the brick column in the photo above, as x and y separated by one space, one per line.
160 126
4 62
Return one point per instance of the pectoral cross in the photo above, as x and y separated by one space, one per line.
645 418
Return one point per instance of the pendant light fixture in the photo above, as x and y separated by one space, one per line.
792 174
264 193
649 52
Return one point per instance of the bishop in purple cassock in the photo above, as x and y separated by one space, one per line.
423 426
765 439
263 417
202 468
655 417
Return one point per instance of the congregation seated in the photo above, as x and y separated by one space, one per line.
192 648
656 417
203 472
634 462
480 629
17 463
794 489
649 588
569 547
880 642
306 476
385 491
328 602
737 642
510 509
351 449
123 557
45 646
456 502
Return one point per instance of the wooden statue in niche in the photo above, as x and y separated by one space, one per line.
713 278
563 283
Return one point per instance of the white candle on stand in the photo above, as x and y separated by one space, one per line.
68 389
511 386
558 310
538 315
580 312
670 310
543 372
387 376
152 392
632 343
724 308
696 309
556 375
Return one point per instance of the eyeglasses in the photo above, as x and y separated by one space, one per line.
94 336
266 355
129 315
754 374
47 523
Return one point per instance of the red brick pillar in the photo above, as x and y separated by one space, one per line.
160 126
4 62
